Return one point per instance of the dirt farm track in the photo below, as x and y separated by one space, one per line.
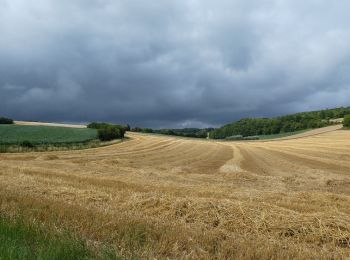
164 197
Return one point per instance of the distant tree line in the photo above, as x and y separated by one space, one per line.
244 129
284 124
142 130
108 132
5 121
185 132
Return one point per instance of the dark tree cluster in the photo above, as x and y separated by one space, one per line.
185 132
108 132
5 121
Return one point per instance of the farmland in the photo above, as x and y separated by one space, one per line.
21 138
15 134
159 196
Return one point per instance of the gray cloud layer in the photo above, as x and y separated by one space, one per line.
171 63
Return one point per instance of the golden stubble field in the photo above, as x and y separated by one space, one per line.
164 197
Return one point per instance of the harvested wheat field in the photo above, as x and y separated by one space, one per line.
163 197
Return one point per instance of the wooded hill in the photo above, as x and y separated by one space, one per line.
282 124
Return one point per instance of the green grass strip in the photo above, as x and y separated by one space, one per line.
22 241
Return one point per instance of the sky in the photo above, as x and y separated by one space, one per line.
179 63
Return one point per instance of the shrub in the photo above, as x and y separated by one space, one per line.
123 128
346 121
6 121
109 133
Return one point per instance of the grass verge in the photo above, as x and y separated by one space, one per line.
20 240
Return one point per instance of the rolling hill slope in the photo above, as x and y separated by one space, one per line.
158 196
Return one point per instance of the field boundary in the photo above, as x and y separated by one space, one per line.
93 144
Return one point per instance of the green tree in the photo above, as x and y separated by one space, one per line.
109 133
346 122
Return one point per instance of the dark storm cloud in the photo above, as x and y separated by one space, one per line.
171 63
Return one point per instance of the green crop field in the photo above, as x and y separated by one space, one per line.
16 134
